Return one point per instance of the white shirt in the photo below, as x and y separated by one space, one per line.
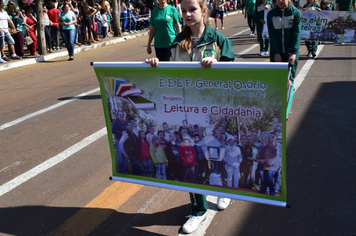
104 20
4 17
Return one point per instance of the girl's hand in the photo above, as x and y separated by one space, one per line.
278 58
166 164
149 50
207 62
291 58
153 62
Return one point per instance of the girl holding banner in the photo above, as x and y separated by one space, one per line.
198 42
312 46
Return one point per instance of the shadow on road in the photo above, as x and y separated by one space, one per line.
43 220
320 171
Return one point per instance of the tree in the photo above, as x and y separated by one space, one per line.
41 39
116 5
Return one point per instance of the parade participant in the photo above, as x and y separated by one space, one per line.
67 20
232 159
249 12
345 5
284 37
196 38
261 5
325 6
159 158
164 20
312 46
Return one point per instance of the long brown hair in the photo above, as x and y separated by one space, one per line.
186 43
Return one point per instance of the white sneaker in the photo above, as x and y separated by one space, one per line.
252 34
223 203
2 61
266 52
125 33
261 53
193 223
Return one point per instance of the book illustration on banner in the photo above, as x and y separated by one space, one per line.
126 92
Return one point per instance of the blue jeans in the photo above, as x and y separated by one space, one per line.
123 164
124 21
55 35
267 178
132 19
135 165
232 173
104 31
69 37
189 174
161 171
147 165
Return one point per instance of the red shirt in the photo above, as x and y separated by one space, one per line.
53 15
145 150
187 154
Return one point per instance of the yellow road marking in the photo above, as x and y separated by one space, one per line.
89 218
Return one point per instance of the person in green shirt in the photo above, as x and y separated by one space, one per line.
164 28
19 36
249 12
284 29
260 7
312 46
345 5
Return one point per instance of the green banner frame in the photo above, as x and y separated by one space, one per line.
253 94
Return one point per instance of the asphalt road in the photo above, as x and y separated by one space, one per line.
69 192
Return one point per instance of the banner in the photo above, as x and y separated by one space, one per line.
332 26
218 131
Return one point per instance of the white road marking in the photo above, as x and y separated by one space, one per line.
246 50
305 70
12 123
7 187
10 166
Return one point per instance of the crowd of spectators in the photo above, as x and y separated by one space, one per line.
19 28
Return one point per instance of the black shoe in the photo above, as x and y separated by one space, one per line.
71 59
89 43
313 54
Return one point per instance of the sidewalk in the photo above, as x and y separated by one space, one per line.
32 60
